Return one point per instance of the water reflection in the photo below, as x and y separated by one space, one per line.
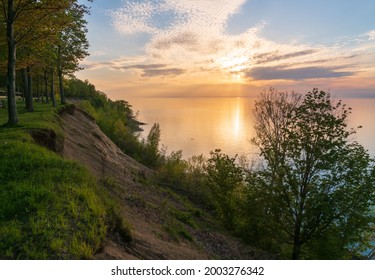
237 122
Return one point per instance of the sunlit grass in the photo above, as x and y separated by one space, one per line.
48 205
43 117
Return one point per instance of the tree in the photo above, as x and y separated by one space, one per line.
318 184
152 156
72 44
10 13
223 178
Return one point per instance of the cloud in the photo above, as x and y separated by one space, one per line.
275 56
157 16
371 35
92 65
152 70
162 72
194 37
183 38
303 73
134 17
98 53
178 28
189 38
144 66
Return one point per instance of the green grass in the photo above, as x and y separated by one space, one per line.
50 208
44 117
176 230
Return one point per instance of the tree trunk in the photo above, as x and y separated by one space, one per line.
53 88
29 99
11 69
60 75
46 86
297 240
61 89
38 89
25 84
296 251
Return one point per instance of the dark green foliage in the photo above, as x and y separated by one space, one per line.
151 153
176 230
254 225
173 169
223 178
188 177
196 182
80 89
316 186
186 217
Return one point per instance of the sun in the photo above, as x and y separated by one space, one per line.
233 64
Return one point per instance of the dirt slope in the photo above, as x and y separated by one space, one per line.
143 205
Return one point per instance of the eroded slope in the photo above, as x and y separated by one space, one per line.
148 208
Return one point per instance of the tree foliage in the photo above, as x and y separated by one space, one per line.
223 178
315 183
72 44
152 154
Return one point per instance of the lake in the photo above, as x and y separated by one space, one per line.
200 125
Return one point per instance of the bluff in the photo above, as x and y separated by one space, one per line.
164 224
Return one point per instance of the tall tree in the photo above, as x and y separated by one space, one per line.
45 83
52 84
318 184
152 152
10 15
72 45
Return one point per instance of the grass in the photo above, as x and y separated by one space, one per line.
50 208
176 230
43 117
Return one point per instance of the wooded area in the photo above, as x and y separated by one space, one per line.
42 39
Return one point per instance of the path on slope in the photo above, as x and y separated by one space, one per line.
142 203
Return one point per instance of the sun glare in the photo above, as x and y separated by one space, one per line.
233 64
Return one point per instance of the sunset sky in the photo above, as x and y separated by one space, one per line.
183 48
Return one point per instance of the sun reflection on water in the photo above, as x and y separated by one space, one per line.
237 121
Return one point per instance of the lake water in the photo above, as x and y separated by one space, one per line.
200 125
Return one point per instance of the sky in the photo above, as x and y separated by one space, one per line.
225 48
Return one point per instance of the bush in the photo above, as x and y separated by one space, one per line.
223 178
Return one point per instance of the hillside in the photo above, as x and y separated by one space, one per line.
164 224
68 192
